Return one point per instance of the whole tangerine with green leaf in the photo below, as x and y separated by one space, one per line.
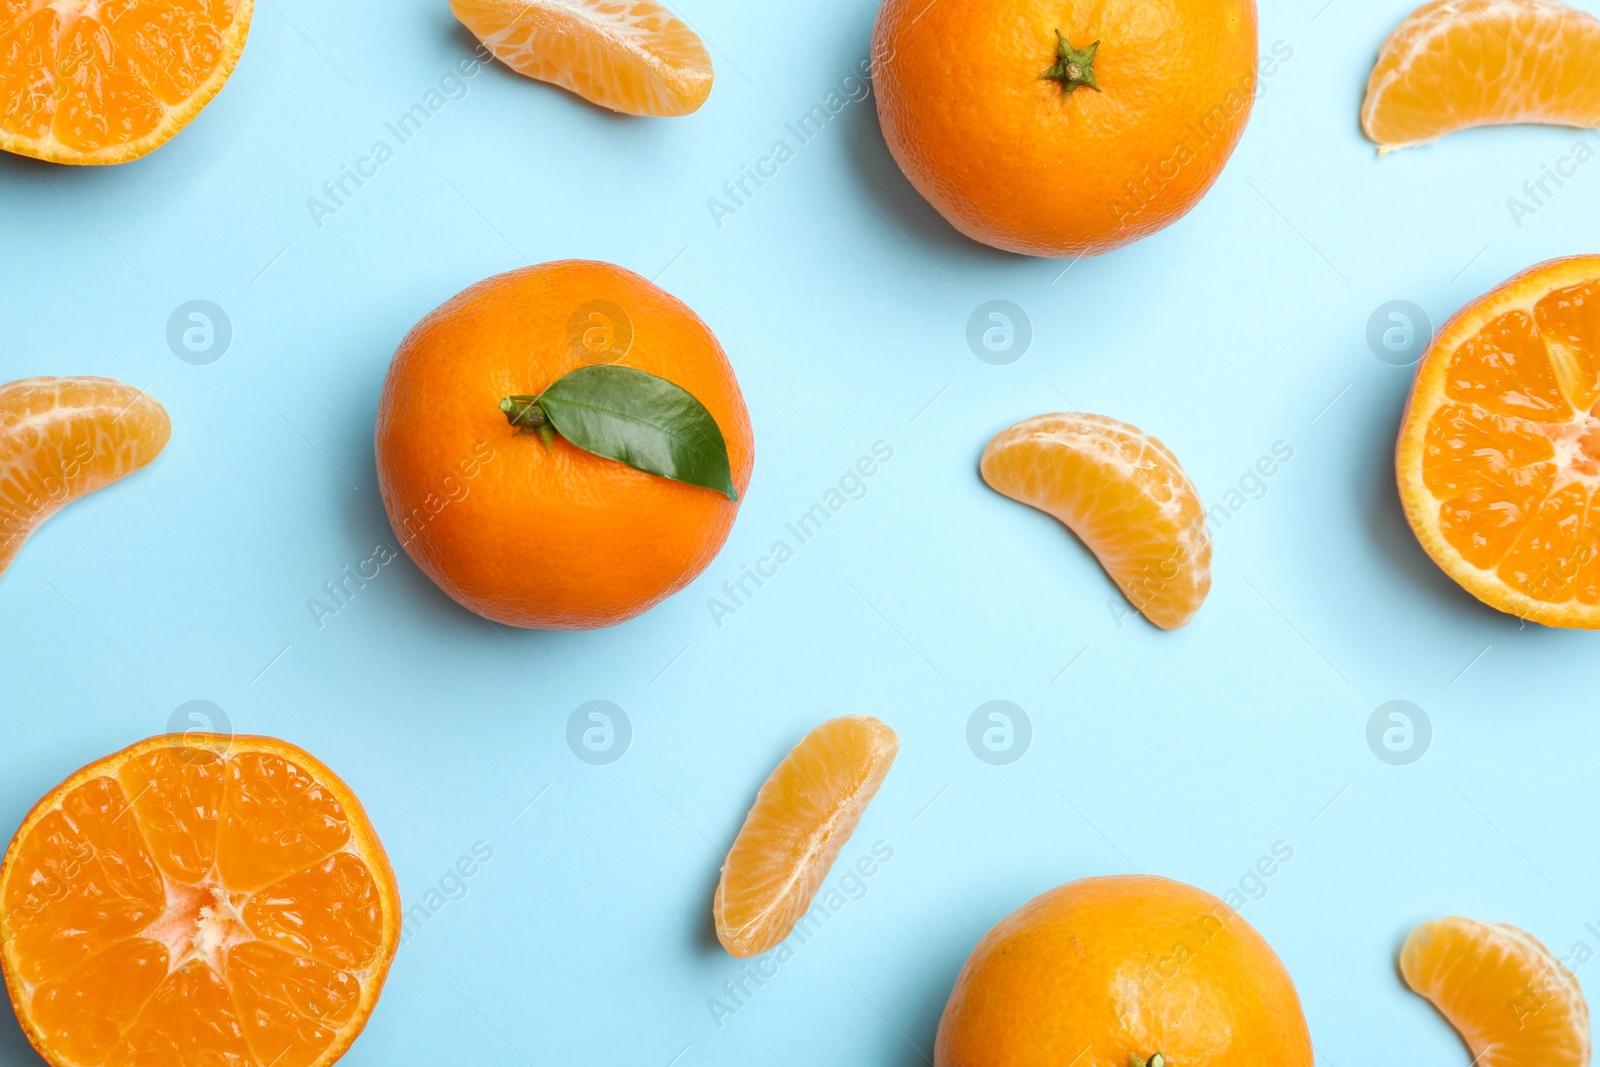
563 446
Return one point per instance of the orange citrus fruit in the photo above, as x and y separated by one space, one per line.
1105 972
197 899
802 817
1499 452
1063 127
1453 64
633 56
551 537
1513 1003
63 437
111 80
1126 497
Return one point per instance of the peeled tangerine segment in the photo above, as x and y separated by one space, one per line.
628 55
1513 1003
1126 497
1499 455
1453 64
61 438
197 899
802 817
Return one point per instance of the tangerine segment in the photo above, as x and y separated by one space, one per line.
628 55
1124 494
802 817
1512 1002
1453 64
61 438
1498 460
196 899
111 81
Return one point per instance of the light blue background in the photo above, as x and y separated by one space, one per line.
842 301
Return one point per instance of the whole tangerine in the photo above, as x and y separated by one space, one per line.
1054 128
535 531
1128 969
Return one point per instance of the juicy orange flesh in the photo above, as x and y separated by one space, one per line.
1512 1002
61 438
91 79
1126 497
627 55
802 817
193 908
1513 455
1459 63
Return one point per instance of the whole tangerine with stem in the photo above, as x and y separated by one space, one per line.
1060 129
1118 971
528 528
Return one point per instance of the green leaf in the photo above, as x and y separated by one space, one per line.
644 421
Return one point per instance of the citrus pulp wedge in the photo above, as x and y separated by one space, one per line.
1498 460
61 438
107 81
1513 1003
197 899
1453 64
1126 497
632 56
802 817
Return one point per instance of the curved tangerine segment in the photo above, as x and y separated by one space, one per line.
1453 64
802 817
632 56
112 81
172 903
1512 1002
1499 458
1126 497
62 438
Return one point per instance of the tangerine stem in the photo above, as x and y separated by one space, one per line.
1158 1060
528 417
1073 67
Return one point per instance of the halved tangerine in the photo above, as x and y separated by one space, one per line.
1123 493
1513 1003
107 81
61 438
196 899
1498 460
805 812
1452 64
632 56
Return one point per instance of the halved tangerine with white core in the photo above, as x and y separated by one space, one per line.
197 899
108 81
1498 460
1512 1002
